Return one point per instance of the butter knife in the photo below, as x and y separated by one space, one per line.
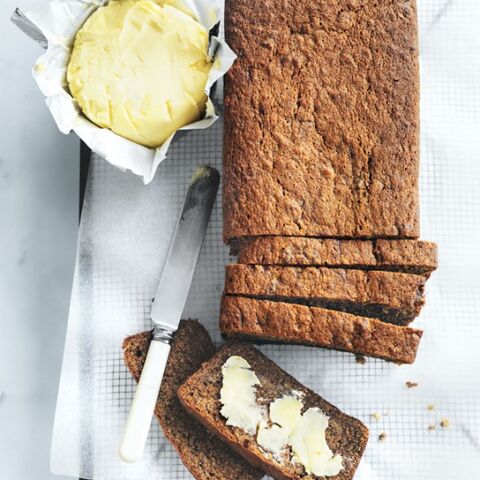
168 305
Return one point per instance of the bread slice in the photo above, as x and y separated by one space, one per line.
263 320
203 454
390 296
409 256
200 395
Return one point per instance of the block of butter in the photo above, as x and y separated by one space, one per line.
125 75
140 68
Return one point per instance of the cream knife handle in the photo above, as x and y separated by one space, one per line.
143 405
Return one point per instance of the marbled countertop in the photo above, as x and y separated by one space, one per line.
38 227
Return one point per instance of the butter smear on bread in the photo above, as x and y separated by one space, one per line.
281 428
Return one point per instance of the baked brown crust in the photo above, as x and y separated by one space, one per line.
263 320
205 456
200 395
393 297
408 256
322 119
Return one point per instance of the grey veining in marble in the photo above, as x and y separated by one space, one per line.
38 227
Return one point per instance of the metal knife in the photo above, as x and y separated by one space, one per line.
168 305
27 27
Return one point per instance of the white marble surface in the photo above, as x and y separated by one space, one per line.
38 227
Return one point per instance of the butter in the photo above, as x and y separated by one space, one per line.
309 445
139 68
283 430
237 395
273 439
39 67
286 411
303 433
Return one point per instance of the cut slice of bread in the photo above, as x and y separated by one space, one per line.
267 321
409 256
203 454
200 395
390 296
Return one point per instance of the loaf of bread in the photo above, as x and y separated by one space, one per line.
409 256
321 119
203 454
266 321
390 296
200 395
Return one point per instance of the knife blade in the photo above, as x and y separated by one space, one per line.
168 305
184 249
28 27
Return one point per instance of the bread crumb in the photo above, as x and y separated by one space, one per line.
376 416
386 413
360 359
444 422
431 427
411 384
382 437
431 407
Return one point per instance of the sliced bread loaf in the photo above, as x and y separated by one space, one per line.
390 296
263 320
200 395
203 454
410 256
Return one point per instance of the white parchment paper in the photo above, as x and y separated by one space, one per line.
123 238
59 21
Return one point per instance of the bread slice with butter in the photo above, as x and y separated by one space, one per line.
205 456
270 431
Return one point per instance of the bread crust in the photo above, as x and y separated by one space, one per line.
321 134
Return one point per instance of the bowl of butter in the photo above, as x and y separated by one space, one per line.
127 75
